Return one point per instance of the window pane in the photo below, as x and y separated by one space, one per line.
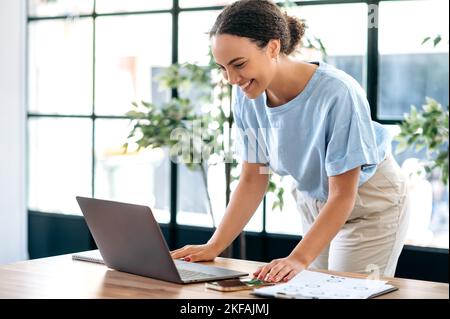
131 50
410 71
344 35
256 222
209 3
192 201
60 66
59 7
193 36
59 163
429 200
193 208
103 6
204 3
135 177
287 221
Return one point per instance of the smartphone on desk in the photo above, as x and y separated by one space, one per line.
237 284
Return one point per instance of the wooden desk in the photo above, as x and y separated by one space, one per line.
61 277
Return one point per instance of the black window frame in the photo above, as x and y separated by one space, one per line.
371 86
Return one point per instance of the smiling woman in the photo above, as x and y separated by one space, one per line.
281 35
311 121
246 72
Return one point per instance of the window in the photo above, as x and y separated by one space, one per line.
410 71
429 200
60 66
344 34
89 59
59 163
115 6
203 3
45 8
136 177
129 50
288 220
193 36
192 202
84 73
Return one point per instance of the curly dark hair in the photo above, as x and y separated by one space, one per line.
260 21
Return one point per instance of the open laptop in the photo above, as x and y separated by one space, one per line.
130 240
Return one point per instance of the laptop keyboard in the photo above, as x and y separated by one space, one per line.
192 275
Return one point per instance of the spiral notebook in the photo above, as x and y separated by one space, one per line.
92 256
316 285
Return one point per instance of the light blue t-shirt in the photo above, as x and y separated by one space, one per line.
324 131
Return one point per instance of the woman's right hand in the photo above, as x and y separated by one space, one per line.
194 253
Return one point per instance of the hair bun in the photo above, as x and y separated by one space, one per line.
296 31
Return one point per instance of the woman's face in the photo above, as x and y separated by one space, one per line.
243 63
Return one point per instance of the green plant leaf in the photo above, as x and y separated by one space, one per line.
426 40
427 129
437 39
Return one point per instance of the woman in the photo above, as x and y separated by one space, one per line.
310 121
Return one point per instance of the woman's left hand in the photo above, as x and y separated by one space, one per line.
283 269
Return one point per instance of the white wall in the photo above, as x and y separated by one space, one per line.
13 217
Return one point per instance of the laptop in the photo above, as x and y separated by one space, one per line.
129 239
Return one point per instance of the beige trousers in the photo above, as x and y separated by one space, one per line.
372 238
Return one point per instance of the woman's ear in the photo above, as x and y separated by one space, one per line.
273 48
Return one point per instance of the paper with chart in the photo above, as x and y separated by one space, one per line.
311 284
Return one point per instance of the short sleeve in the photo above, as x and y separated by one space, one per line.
249 143
351 139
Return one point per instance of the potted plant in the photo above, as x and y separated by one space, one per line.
428 129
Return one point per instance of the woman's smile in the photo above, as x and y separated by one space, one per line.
247 85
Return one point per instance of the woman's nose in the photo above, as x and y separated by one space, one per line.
232 77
